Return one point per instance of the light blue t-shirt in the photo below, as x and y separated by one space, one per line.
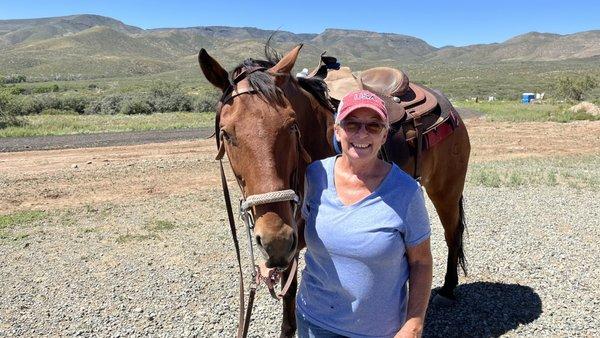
356 273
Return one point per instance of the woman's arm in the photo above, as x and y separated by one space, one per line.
419 289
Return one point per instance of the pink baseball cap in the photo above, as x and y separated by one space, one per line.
361 99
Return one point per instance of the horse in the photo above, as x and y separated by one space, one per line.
271 124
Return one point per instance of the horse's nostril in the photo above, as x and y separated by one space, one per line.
258 242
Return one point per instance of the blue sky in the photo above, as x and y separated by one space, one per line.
456 23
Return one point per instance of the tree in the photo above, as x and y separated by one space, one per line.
574 89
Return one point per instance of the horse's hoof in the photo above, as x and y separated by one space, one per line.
439 299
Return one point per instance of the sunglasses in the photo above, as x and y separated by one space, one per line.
354 126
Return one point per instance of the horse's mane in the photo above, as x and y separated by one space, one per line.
263 83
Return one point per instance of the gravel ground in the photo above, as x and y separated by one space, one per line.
133 241
116 270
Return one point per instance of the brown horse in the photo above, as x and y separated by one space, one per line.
262 107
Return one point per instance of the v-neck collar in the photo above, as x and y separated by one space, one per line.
373 194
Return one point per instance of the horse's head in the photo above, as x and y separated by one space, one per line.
257 128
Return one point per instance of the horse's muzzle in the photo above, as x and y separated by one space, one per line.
277 243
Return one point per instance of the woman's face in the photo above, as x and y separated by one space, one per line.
359 135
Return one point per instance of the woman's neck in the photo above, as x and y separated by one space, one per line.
361 169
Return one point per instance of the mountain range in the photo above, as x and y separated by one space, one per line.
95 46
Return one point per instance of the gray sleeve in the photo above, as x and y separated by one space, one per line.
417 226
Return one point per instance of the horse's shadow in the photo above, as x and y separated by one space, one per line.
483 309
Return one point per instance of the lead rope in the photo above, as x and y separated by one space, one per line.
244 320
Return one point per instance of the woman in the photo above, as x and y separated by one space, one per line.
367 235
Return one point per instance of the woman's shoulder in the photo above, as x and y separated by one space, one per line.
400 180
321 167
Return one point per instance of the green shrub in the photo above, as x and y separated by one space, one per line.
574 89
7 116
5 99
9 120
53 88
76 103
107 105
136 105
167 97
95 107
35 104
25 105
207 102
16 90
14 79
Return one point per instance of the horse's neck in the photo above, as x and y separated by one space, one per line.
316 124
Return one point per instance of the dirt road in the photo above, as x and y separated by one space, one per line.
62 178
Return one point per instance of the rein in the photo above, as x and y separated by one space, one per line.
248 202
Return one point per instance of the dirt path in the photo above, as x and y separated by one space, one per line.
53 179
100 139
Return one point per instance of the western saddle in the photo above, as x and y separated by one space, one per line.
423 116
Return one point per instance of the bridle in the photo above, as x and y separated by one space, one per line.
240 85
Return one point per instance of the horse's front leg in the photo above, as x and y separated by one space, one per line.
288 325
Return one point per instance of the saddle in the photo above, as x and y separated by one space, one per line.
420 117
403 99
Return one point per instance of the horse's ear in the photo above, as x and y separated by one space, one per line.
286 64
214 73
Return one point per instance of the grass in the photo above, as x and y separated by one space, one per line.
41 125
65 124
18 219
129 237
512 111
582 172
160 225
153 229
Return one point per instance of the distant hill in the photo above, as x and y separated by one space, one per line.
88 46
532 46
14 32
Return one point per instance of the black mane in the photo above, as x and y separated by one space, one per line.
263 84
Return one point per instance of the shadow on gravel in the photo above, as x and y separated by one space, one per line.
483 310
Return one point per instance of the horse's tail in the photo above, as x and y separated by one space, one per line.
462 227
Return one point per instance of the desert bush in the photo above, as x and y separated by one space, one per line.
25 105
8 118
575 89
14 79
76 103
107 105
35 104
168 97
53 88
136 105
206 102
16 90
